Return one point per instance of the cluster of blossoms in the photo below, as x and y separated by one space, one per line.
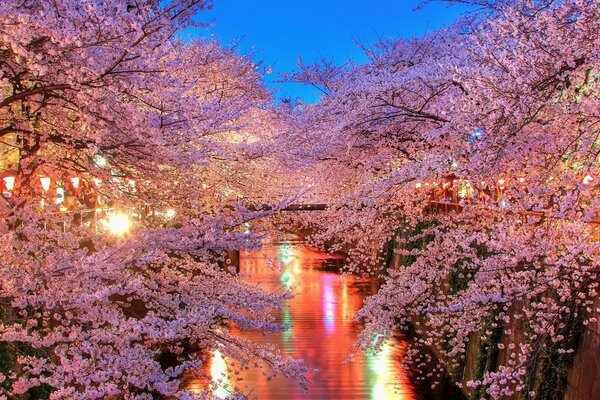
105 99
472 153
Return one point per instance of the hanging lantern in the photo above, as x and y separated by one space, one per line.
75 182
45 182
9 182
465 190
60 195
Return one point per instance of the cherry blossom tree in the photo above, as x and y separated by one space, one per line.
146 133
476 149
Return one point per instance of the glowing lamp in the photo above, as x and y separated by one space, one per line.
170 213
97 182
118 224
75 182
587 179
60 195
45 182
418 185
9 182
100 161
522 180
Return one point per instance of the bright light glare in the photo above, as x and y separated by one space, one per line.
170 213
118 224
60 195
100 161
45 182
9 182
218 373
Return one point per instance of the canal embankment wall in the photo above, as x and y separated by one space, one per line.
557 376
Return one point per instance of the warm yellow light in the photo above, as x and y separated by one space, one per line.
60 195
45 182
75 182
587 180
521 180
97 181
118 224
418 185
9 182
501 181
170 213
100 161
219 375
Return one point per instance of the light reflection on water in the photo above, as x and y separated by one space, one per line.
320 330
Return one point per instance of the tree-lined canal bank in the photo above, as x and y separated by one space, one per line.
321 330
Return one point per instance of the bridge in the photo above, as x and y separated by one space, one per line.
305 207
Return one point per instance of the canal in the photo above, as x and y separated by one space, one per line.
321 329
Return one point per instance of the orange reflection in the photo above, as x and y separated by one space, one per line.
320 330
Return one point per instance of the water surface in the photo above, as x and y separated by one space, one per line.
321 329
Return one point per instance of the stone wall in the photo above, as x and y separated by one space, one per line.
583 376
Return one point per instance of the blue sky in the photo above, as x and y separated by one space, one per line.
279 32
